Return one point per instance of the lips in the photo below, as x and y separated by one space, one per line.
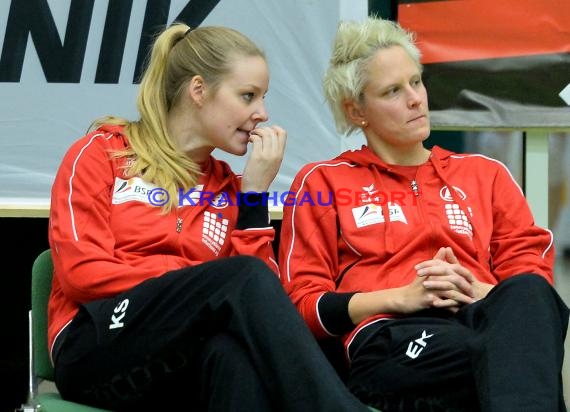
423 116
241 137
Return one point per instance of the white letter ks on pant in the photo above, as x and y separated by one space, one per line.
416 347
116 320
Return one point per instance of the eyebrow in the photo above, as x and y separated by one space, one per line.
255 87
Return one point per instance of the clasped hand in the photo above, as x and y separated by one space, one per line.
444 283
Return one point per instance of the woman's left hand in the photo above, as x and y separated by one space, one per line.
480 289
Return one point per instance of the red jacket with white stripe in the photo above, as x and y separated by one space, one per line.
336 239
107 233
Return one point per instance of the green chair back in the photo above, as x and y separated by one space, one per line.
42 272
41 369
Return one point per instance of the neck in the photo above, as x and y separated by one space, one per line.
187 138
403 156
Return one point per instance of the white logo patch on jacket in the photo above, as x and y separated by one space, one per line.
458 220
214 231
371 214
445 193
134 189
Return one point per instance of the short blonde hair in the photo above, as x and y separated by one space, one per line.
355 44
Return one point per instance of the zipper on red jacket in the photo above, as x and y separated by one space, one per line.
414 186
179 224
416 191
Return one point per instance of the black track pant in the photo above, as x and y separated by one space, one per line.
221 336
503 353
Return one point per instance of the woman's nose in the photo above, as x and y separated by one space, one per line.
414 97
260 115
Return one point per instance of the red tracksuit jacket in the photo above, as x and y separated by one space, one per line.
107 234
335 236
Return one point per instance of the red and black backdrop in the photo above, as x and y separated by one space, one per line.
493 63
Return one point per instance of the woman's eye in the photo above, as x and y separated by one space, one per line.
392 91
248 97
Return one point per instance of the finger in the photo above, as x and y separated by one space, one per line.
272 139
450 256
449 285
455 296
256 143
432 267
464 272
427 264
461 278
260 134
449 280
441 253
435 267
279 131
254 137
445 304
438 258
282 138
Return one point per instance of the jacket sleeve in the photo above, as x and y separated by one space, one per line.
517 244
253 234
308 257
80 236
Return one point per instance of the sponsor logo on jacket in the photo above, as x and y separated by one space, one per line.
457 218
136 189
214 231
446 195
372 214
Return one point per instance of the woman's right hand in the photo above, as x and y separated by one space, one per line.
403 300
268 149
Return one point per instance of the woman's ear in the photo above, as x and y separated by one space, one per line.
354 112
197 90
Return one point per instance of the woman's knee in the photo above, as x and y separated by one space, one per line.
235 270
527 283
250 263
255 270
528 287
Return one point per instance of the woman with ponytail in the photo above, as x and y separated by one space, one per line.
165 282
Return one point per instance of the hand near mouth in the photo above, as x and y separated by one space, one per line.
268 149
